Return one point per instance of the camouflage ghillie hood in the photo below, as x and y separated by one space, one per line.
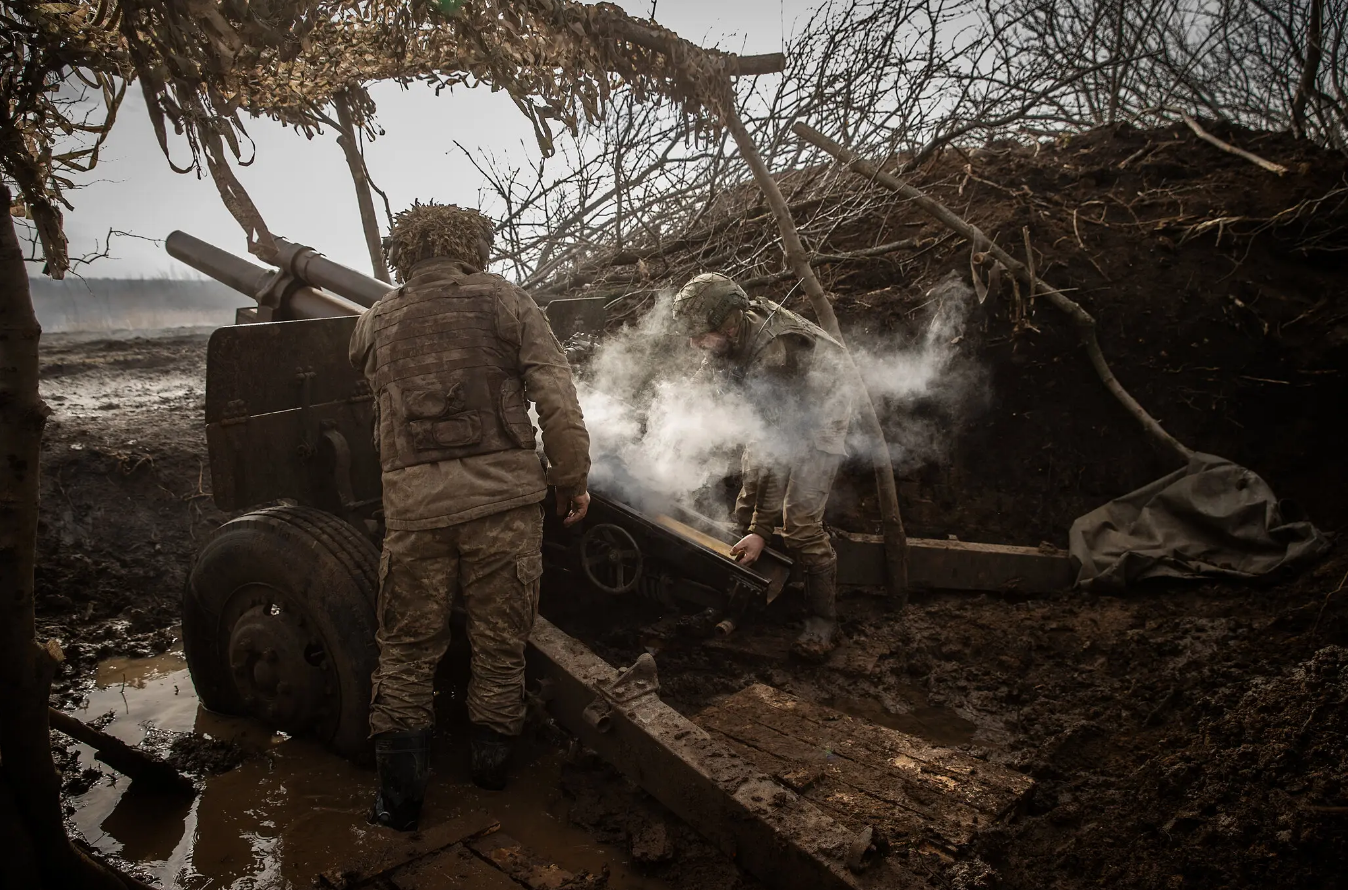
425 231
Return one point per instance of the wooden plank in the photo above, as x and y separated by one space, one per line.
854 809
455 868
897 802
882 776
955 565
526 867
773 833
991 788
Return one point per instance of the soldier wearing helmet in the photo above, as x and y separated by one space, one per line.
454 357
797 375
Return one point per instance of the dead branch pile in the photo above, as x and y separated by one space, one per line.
904 80
1169 187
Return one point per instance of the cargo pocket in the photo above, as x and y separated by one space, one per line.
529 568
515 413
436 419
452 432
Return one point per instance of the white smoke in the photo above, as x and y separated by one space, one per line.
925 389
659 432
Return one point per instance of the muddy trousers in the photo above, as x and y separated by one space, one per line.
493 564
793 496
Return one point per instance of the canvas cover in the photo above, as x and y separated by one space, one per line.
1212 518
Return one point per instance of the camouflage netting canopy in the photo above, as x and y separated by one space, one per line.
202 64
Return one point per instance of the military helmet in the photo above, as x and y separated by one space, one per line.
704 303
425 231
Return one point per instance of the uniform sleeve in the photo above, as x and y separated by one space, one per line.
548 384
362 340
768 504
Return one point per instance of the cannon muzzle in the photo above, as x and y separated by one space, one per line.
286 296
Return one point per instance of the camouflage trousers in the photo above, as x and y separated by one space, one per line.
493 564
793 496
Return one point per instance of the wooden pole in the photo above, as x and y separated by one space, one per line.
896 540
347 139
1084 322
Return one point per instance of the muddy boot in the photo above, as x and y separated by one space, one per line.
821 627
404 765
491 753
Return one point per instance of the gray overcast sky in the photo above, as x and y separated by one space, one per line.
303 188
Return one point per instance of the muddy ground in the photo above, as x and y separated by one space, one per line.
1182 735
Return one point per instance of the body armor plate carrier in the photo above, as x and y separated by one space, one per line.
448 386
778 321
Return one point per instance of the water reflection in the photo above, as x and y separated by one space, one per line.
292 810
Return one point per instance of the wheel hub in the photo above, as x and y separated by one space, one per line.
611 558
281 669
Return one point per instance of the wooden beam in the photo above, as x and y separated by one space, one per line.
955 565
768 829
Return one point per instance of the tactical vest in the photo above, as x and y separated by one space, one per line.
780 322
448 386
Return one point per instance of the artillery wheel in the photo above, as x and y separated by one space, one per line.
610 558
279 624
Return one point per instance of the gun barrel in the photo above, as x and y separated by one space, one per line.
312 267
255 281
223 266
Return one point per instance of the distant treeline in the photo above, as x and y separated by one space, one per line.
121 304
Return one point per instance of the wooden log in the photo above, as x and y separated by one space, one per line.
137 765
896 539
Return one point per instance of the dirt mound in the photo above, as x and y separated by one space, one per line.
124 496
1217 287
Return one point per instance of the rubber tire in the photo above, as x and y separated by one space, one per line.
324 567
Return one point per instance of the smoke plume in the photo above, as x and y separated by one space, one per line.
662 433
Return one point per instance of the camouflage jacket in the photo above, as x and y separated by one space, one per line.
451 491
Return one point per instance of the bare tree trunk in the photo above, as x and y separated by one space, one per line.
346 138
30 795
1310 72
1081 319
896 540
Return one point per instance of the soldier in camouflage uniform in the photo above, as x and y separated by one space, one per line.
454 356
797 375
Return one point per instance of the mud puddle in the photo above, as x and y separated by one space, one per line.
292 809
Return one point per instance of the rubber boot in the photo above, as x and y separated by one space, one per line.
403 762
490 756
821 627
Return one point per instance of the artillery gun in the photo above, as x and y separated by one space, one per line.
279 613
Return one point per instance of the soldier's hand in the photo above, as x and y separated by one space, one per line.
575 509
749 548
